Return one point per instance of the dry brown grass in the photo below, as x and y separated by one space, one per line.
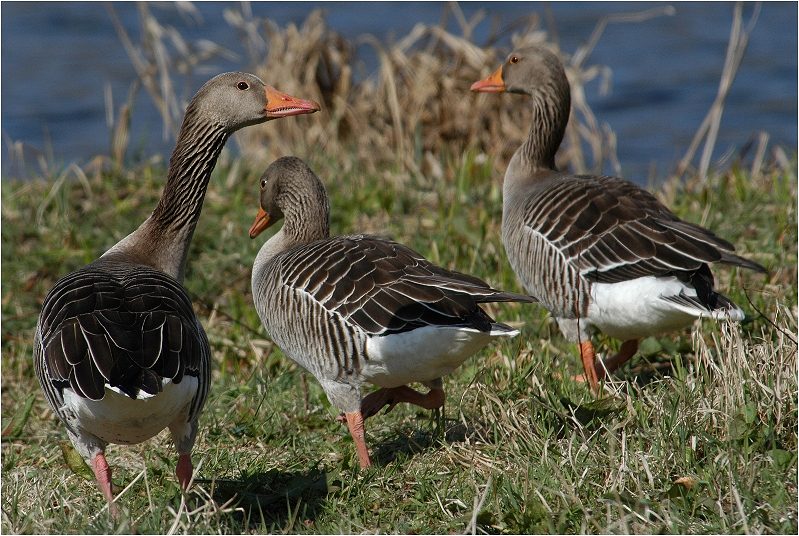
415 111
699 437
412 115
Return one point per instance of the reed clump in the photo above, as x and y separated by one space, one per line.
415 110
411 114
700 436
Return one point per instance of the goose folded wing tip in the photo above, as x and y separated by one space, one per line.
501 296
737 260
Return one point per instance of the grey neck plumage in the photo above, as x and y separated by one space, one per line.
163 240
307 219
535 158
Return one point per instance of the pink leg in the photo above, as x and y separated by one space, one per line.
588 357
102 473
374 402
627 350
184 470
355 425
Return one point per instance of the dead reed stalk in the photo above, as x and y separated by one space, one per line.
161 54
413 112
709 128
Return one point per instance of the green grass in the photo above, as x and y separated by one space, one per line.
700 436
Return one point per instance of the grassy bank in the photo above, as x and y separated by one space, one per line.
700 437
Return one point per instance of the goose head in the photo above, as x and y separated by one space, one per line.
538 73
290 189
528 71
236 100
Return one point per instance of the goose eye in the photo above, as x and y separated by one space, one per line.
514 59
263 183
243 86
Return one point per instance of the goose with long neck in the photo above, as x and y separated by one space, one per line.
360 309
599 252
118 350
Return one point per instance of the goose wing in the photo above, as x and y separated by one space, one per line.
611 230
383 287
123 326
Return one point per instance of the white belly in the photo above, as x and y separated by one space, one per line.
117 418
422 354
636 308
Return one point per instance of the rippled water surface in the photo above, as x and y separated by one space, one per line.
58 57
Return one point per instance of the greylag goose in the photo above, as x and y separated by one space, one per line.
357 309
599 252
118 350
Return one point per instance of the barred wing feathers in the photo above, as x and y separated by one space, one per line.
124 326
610 230
383 287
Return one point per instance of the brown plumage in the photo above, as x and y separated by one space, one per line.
123 327
599 252
118 351
361 309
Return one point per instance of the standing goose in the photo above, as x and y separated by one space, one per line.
599 252
356 309
118 350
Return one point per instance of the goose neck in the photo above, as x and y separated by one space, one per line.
163 240
551 105
276 244
190 167
308 229
294 232
550 116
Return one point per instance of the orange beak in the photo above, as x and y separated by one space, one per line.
281 105
492 84
262 221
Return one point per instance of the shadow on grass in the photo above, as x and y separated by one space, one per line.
416 440
652 369
274 498
591 412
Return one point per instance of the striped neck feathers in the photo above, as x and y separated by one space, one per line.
306 219
163 240
306 214
198 147
551 107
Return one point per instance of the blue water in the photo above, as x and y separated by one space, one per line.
58 57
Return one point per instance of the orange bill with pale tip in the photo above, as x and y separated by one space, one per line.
280 104
262 221
491 84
